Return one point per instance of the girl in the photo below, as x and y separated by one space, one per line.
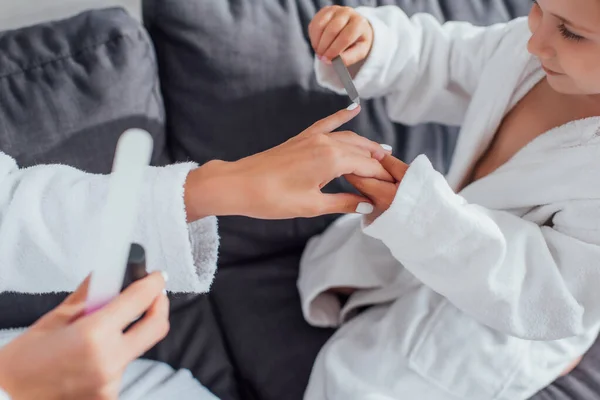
482 285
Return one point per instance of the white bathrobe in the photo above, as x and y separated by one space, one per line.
46 210
482 292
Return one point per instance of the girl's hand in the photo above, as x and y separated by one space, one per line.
381 193
340 31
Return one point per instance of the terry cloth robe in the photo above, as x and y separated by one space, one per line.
482 292
46 210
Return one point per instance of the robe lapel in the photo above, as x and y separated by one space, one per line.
492 101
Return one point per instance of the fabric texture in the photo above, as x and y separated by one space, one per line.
48 211
151 380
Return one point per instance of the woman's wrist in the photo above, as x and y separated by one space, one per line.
213 190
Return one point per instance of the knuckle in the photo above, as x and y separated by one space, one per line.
321 141
331 154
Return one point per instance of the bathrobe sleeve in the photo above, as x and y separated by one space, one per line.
531 281
426 71
46 209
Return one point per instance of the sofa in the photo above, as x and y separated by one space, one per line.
212 79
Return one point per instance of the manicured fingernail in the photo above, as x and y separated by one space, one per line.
387 147
165 292
165 275
364 208
352 107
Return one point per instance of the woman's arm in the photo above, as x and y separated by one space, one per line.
45 210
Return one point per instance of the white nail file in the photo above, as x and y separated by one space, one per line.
107 246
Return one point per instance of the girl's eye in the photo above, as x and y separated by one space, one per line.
567 34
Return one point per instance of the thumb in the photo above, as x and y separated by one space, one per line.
395 167
80 294
346 203
69 310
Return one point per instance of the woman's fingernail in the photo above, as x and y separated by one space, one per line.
364 208
325 60
352 107
387 147
164 292
165 275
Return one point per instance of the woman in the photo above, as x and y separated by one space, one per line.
45 209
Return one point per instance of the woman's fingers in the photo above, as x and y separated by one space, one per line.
361 166
332 122
69 310
377 150
150 329
80 294
133 301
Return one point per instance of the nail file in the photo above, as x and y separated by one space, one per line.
107 248
346 79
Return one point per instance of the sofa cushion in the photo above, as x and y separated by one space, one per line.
68 89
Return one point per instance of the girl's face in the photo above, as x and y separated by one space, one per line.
566 39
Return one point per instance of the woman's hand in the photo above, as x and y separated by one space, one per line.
66 355
340 31
286 181
381 193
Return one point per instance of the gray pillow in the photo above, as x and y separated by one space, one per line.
69 88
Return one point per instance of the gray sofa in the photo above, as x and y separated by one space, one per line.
212 79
